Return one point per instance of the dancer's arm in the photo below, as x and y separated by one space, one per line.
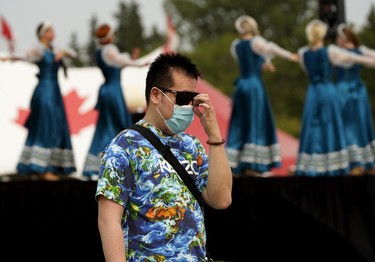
60 54
269 49
34 54
112 56
342 57
367 51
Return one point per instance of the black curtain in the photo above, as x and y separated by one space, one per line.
296 219
270 219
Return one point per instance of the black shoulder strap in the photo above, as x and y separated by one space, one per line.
168 155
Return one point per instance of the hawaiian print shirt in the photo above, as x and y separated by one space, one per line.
162 219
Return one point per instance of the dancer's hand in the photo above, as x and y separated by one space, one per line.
59 55
269 67
294 58
136 53
11 59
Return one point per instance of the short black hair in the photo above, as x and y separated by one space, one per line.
160 71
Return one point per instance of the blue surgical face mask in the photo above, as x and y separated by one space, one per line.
181 119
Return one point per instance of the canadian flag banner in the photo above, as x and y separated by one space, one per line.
7 33
80 92
17 83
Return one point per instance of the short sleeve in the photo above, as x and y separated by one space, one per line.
115 176
268 49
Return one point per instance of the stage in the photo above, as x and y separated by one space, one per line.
270 219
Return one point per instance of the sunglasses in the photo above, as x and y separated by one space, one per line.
182 97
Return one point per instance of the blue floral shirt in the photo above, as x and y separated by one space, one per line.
162 219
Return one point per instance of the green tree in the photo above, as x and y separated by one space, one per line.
210 19
129 31
154 40
74 45
91 45
219 57
129 34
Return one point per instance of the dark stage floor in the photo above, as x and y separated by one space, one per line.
270 219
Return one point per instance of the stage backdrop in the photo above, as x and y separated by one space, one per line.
80 90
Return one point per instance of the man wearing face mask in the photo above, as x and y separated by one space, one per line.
146 212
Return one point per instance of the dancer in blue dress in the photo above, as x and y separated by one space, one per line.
252 145
323 146
111 105
48 149
356 107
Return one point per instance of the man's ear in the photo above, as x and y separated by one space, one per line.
154 95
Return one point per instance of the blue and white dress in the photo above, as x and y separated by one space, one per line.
357 114
251 141
48 147
113 112
323 149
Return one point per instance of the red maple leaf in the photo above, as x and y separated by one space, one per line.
76 120
22 116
